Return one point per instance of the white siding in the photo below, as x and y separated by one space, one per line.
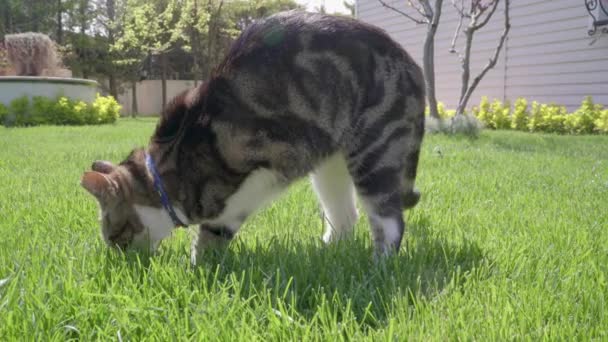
546 58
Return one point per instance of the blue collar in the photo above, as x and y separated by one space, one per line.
164 199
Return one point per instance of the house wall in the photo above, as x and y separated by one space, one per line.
149 95
547 56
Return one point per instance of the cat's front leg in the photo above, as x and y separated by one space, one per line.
209 237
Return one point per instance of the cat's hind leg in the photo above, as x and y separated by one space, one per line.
384 174
381 196
334 187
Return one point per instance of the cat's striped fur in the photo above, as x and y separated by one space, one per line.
297 94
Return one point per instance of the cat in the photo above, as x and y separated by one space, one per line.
297 94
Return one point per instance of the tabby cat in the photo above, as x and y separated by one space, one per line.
297 94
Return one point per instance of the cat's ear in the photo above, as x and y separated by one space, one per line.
103 166
98 185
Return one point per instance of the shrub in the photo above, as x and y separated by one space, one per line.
494 115
553 118
483 112
19 112
42 107
3 113
535 119
464 124
444 123
432 125
583 120
62 111
443 113
500 118
601 123
519 118
107 109
550 118
80 112
457 124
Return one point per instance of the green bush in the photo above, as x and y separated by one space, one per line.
519 118
107 109
443 113
536 118
500 117
494 115
61 111
483 113
42 107
583 120
19 112
551 118
601 123
3 113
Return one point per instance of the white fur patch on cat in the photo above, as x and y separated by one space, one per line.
257 190
391 229
334 187
158 225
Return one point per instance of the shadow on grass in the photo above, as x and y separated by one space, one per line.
342 280
305 276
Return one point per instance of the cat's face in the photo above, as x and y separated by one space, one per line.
121 200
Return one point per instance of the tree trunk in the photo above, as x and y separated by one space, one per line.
59 23
113 86
4 19
429 60
34 18
110 7
429 16
83 29
196 46
163 58
134 107
466 71
111 12
83 16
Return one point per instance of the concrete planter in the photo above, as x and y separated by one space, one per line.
12 87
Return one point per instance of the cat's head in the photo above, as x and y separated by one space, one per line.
124 193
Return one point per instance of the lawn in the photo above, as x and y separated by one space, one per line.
509 242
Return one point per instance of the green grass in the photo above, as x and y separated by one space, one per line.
510 242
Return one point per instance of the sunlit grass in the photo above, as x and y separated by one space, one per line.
509 242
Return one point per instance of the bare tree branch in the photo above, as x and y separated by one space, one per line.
436 12
491 63
417 21
428 10
480 9
494 4
453 46
460 9
417 8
